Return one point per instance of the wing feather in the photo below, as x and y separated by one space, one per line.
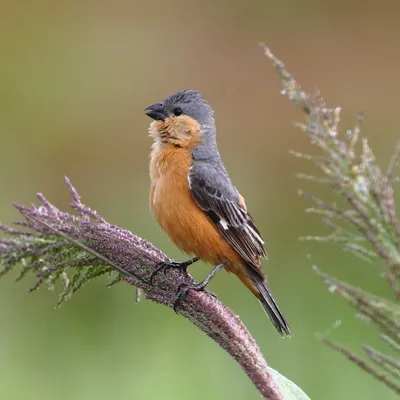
214 192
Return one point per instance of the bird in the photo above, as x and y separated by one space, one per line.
195 202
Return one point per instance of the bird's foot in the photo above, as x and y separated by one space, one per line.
184 287
164 266
182 292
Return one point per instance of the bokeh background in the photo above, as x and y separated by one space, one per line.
74 80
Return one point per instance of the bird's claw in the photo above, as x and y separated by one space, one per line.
183 288
164 266
213 295
181 293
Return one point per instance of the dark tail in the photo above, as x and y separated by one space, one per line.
268 303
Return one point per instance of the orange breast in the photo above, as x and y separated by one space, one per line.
177 213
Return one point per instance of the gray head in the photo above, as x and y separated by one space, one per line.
189 103
186 102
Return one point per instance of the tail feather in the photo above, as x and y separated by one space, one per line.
269 304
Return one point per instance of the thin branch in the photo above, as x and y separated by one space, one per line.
87 244
381 376
389 364
366 224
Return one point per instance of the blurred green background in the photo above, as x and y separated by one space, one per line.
74 80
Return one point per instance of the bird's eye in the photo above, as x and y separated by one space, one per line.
177 111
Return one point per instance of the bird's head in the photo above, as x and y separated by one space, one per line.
183 119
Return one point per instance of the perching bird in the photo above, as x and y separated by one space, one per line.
195 201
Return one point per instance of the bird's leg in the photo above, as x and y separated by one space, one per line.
164 266
184 287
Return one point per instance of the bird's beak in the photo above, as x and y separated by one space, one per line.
156 111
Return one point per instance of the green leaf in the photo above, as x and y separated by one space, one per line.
289 389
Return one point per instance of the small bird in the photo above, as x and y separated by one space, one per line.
196 203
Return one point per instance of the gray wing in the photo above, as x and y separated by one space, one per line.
214 192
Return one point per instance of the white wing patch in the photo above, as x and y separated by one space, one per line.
224 224
189 181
